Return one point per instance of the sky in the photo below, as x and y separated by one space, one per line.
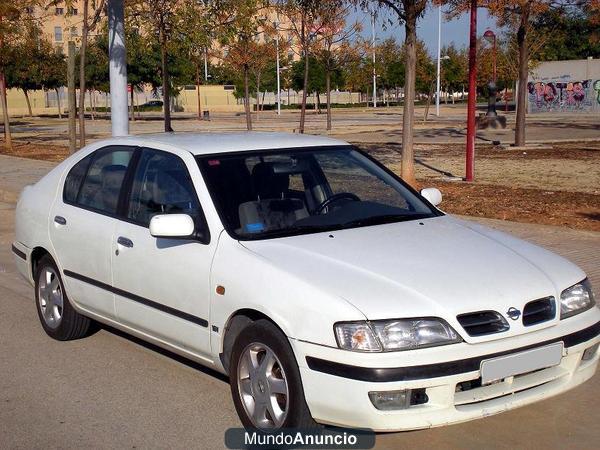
456 30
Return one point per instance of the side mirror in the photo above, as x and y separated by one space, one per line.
172 226
433 195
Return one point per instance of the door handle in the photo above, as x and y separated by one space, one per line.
125 242
60 220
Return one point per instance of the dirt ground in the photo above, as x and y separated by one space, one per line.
554 185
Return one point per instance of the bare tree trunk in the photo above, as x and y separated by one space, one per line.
132 105
91 104
198 91
428 104
318 102
247 99
257 95
72 98
84 37
58 103
7 135
408 167
523 74
304 89
328 89
26 93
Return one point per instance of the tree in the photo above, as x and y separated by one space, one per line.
425 74
200 21
160 16
389 65
454 69
88 24
240 35
356 75
14 15
264 53
562 35
25 71
315 82
407 12
335 36
304 24
54 75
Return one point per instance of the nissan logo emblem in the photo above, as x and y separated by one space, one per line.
513 313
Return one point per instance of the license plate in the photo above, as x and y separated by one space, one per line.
507 366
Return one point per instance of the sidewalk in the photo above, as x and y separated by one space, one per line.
16 173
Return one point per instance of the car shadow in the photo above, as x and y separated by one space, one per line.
169 354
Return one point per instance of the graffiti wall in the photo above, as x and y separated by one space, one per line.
563 95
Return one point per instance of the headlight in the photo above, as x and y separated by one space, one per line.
394 335
576 299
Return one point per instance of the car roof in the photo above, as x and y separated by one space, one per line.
210 143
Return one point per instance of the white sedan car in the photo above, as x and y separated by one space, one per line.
325 287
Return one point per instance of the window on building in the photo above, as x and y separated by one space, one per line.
73 11
74 32
59 11
58 34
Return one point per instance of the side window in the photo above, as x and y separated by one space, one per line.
102 185
75 178
161 185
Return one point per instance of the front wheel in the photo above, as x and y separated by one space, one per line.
265 380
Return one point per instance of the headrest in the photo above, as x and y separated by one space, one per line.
267 183
112 176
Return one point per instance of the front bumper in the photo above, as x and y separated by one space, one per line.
337 393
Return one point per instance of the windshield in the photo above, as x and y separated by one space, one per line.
277 193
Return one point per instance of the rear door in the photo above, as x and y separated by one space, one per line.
163 285
83 221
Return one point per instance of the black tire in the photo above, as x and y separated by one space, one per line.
71 325
266 333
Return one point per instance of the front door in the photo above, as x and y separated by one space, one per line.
162 285
83 223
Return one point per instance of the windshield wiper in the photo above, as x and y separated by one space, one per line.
386 218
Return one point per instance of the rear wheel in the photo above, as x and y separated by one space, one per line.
265 380
59 320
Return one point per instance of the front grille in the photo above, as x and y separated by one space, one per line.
482 322
538 311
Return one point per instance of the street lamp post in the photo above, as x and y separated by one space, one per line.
205 64
439 50
374 72
117 68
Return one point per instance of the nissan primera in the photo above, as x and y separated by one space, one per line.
324 286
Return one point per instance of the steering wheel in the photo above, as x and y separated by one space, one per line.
336 197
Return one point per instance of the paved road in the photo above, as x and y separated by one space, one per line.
109 390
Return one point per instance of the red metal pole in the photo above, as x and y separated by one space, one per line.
472 101
494 54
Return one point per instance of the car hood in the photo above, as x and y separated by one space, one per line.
439 267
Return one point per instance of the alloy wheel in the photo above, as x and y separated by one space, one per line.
263 386
50 297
